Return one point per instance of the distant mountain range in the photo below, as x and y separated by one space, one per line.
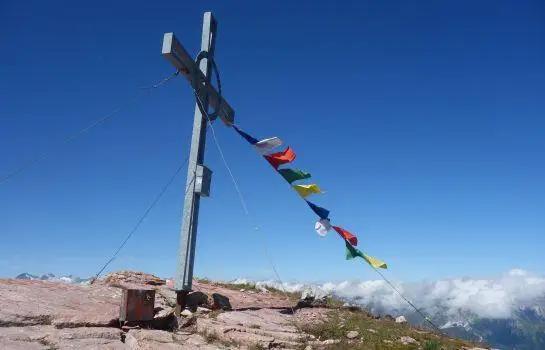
506 312
524 329
51 277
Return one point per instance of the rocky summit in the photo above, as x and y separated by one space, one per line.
45 314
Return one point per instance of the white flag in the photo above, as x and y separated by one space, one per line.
322 226
267 144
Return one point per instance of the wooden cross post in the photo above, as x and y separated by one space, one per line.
198 176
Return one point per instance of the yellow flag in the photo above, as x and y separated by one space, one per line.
306 190
375 262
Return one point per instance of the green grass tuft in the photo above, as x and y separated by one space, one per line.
432 344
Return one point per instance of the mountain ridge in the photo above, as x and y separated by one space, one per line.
52 277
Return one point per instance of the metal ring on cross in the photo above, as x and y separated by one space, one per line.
214 114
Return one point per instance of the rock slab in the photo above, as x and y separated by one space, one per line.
352 335
34 302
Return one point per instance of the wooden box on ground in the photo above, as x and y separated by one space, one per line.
137 303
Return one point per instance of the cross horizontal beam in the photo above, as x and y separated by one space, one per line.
177 55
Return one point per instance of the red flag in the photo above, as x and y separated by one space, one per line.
279 158
346 235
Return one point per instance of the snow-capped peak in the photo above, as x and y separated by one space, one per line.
51 277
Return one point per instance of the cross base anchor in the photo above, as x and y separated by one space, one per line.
181 301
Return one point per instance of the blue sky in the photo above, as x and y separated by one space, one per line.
422 121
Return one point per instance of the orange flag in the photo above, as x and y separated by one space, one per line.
279 158
346 235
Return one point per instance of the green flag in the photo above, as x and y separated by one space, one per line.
293 175
352 252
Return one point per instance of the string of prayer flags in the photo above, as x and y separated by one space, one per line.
306 190
292 175
247 137
267 144
352 253
322 226
346 235
279 158
321 212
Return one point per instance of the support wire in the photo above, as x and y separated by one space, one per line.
82 131
141 219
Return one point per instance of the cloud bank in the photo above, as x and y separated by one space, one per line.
487 298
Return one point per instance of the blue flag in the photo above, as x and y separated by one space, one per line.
321 212
247 137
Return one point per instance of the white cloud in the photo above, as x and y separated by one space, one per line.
491 298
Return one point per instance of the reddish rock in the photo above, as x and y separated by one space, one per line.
47 337
156 339
33 302
42 315
130 277
22 345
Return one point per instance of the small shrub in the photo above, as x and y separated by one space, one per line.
283 293
209 337
432 344
239 286
202 280
329 329
334 303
